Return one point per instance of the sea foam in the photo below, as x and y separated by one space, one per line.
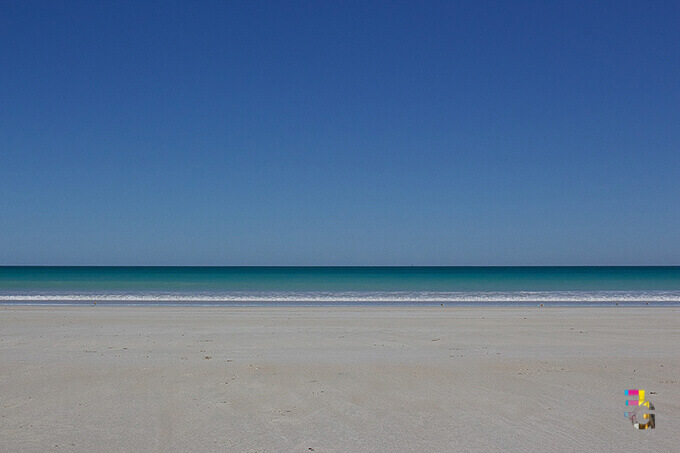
346 297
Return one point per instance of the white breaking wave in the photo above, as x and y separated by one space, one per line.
348 297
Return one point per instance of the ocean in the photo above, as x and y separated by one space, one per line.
355 286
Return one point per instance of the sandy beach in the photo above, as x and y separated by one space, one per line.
335 379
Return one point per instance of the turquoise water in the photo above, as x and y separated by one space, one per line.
339 285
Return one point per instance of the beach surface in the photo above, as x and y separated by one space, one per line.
265 379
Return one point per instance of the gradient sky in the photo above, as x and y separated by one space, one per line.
340 133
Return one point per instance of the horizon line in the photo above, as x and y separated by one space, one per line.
336 265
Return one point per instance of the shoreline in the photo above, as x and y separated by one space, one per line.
345 305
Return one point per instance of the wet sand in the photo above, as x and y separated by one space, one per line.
335 379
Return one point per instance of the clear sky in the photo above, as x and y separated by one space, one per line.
340 133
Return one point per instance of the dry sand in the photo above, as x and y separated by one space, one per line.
335 379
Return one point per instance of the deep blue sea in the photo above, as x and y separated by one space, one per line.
357 286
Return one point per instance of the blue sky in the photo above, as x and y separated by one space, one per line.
339 133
